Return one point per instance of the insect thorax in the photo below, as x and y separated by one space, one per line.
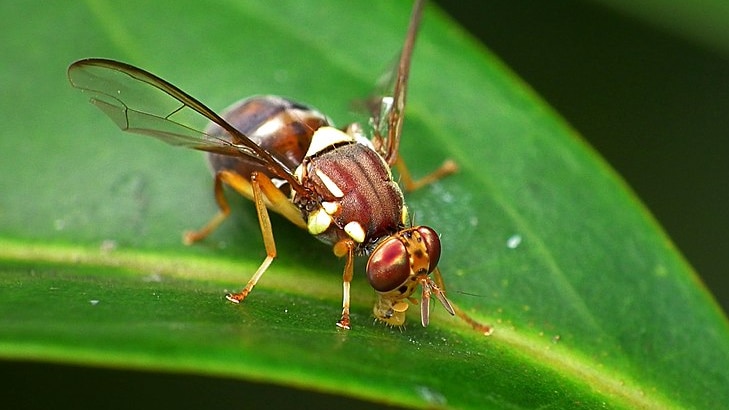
354 194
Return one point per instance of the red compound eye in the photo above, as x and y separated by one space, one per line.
432 244
388 266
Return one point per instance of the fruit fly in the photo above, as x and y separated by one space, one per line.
288 158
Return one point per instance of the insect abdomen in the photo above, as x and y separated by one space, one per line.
280 126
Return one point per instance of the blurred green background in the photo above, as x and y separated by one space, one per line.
647 84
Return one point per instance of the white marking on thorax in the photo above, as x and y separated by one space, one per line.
318 221
356 131
355 231
330 207
325 137
329 184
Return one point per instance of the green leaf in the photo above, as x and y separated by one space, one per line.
592 306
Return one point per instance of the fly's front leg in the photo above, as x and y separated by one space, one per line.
454 309
261 185
447 168
345 248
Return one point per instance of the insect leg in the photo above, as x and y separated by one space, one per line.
259 184
191 237
454 309
342 248
448 167
273 198
430 287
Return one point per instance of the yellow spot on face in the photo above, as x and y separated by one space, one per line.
400 306
355 231
318 221
329 184
330 207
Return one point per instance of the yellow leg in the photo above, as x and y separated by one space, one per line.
272 196
191 237
345 248
430 287
448 167
268 241
476 325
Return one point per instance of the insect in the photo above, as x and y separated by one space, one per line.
289 158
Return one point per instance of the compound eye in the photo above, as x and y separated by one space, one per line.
388 266
432 244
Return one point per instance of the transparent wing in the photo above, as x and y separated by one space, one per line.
378 105
387 105
140 102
